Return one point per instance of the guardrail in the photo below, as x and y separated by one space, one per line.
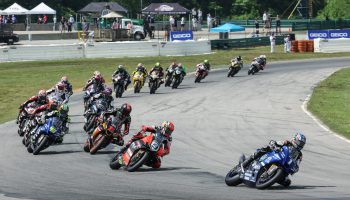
244 42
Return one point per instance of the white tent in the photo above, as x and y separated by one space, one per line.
15 9
112 15
41 9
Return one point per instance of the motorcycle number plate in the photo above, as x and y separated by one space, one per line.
154 146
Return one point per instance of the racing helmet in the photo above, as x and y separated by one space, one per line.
107 91
64 79
125 109
167 128
157 64
97 75
120 67
60 86
298 141
239 58
206 62
42 96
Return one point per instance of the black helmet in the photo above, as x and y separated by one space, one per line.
239 58
125 109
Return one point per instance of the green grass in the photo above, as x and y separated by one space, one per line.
19 80
330 102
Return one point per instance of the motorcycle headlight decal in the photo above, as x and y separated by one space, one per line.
52 129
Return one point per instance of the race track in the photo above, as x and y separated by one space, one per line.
215 121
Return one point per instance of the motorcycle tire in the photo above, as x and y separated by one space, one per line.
20 129
153 88
232 178
29 149
87 147
168 81
137 87
119 91
230 72
135 166
91 123
176 84
114 163
198 79
100 142
41 146
274 179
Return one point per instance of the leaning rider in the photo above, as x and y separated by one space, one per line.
121 70
295 146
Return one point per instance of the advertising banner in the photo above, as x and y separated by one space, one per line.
328 34
181 35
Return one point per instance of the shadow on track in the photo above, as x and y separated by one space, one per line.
299 187
58 152
163 169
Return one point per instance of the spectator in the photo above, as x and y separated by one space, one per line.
40 19
209 22
175 23
256 27
172 23
45 19
5 20
287 44
182 23
265 19
200 16
273 42
115 24
129 27
70 23
278 24
1 19
14 19
194 24
63 24
194 13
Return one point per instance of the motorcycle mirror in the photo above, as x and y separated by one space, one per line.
242 158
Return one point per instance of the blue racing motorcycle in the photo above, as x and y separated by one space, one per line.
273 167
45 135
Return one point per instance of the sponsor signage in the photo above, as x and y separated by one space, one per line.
328 34
181 35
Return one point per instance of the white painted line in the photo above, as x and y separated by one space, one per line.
318 122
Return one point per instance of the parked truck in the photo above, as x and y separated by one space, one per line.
7 35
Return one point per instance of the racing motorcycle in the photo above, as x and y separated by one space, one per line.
200 73
169 77
140 152
89 92
154 82
138 80
177 78
23 117
265 171
119 85
254 68
102 140
95 109
45 135
234 68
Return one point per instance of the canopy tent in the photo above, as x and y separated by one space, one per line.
98 7
15 9
165 9
112 15
42 8
1 12
227 28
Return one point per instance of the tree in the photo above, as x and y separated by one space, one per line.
336 9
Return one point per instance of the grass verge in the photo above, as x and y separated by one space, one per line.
19 80
330 102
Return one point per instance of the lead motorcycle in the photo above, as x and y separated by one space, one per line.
154 82
169 77
265 171
200 73
139 153
119 85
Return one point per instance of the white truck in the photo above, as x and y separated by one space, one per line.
136 30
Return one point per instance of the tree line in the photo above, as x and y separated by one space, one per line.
226 9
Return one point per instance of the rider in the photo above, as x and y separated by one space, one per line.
157 68
106 94
143 70
59 91
206 65
237 60
69 87
295 145
172 66
261 60
165 129
116 117
96 80
182 69
62 113
40 99
120 70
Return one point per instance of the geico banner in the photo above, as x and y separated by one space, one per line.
328 34
312 34
181 35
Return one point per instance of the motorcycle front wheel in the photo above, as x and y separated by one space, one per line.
114 163
232 177
265 180
139 158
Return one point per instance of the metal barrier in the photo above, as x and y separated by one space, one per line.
244 42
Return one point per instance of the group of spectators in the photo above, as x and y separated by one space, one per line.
267 24
67 24
8 19
42 19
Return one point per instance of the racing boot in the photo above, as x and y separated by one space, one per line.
285 182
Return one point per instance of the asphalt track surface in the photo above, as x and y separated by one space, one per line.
215 121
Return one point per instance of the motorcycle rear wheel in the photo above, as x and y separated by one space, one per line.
272 180
98 144
137 164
